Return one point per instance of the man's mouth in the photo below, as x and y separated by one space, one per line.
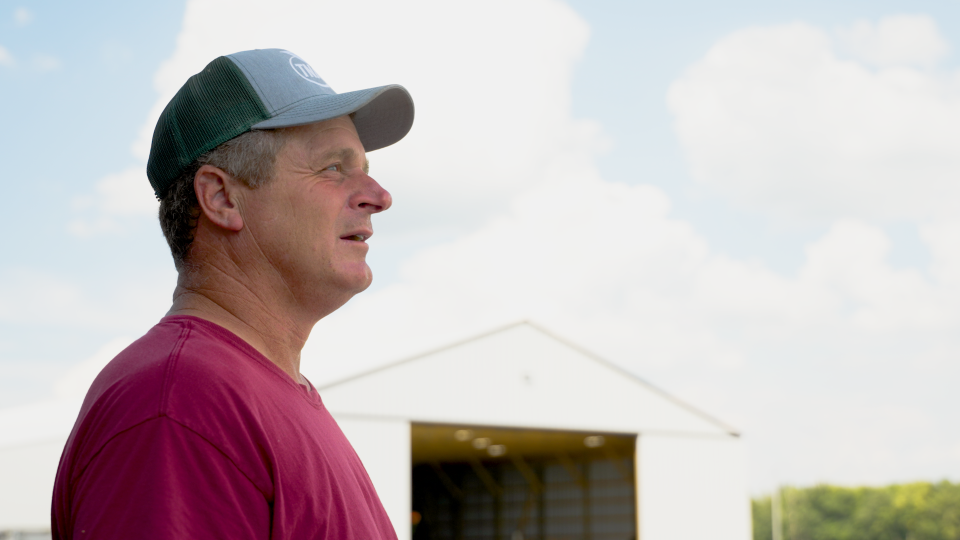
356 237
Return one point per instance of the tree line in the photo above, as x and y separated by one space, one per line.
916 511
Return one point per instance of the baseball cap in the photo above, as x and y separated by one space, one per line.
264 89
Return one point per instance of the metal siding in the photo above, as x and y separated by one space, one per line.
692 488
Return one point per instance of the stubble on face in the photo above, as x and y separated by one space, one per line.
311 222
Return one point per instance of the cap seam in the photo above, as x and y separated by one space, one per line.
217 141
253 83
256 94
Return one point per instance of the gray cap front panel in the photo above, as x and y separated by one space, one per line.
317 109
280 78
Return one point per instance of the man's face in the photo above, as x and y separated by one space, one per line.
311 222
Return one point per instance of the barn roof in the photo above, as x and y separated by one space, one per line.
517 376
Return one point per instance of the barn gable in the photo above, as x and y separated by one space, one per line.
518 376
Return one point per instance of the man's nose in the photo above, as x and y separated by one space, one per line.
373 198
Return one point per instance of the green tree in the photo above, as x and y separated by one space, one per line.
762 518
915 511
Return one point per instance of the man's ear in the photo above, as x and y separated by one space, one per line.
218 194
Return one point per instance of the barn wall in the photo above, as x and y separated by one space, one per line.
691 488
384 448
27 472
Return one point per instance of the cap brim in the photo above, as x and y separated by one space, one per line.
384 115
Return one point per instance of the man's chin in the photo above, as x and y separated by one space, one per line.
367 282
360 280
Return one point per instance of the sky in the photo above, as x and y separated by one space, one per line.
752 205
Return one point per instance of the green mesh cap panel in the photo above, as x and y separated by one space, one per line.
213 107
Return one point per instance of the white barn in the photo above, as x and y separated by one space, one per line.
510 435
551 404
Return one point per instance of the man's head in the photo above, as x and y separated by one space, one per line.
301 235
235 115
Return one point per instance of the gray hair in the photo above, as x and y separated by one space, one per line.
250 158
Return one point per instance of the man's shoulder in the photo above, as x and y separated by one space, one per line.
184 370
183 363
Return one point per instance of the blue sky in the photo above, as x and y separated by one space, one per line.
794 320
637 49
72 123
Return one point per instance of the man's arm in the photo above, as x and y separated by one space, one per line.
161 480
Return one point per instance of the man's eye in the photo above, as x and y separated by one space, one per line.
334 167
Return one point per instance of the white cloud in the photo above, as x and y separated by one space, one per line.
99 225
53 418
850 262
127 193
74 382
28 295
6 59
23 381
584 257
903 40
36 297
775 120
117 197
943 239
22 16
606 263
46 62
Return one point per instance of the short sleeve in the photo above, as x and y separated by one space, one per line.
161 480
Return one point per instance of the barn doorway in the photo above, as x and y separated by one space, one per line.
491 483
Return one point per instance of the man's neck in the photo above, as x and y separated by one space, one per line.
246 310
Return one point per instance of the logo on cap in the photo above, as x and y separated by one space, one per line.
306 72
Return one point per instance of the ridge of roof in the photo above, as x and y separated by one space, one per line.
430 352
635 378
583 351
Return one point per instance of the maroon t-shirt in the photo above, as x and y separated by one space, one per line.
192 433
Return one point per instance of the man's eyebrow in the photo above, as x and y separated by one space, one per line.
339 154
344 154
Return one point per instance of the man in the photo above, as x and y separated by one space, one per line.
204 427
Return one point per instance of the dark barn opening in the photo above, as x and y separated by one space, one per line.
473 483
